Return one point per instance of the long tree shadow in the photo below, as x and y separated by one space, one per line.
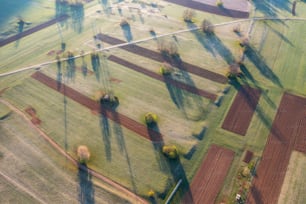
248 75
70 67
95 63
270 8
61 9
77 15
279 34
110 110
126 28
158 143
265 119
201 37
261 65
178 173
221 49
192 101
174 165
105 131
86 189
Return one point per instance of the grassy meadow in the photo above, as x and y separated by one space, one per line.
275 64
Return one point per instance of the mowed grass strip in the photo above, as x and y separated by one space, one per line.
241 112
287 131
165 79
158 57
210 177
96 107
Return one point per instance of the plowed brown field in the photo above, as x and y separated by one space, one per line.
240 114
80 98
288 133
211 9
199 71
209 179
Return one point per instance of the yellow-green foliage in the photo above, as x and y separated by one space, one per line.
170 151
83 154
150 118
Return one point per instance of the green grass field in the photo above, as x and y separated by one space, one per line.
275 64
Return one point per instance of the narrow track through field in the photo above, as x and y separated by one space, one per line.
209 179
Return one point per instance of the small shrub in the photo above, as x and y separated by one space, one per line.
246 172
150 118
219 3
188 15
166 69
83 154
170 151
124 23
207 27
151 194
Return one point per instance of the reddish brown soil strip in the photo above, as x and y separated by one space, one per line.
158 57
31 111
248 156
32 30
241 112
288 133
211 9
80 98
3 90
159 77
209 178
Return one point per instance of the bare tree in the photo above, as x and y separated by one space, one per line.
207 27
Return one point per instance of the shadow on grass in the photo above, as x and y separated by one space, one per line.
212 44
261 65
278 33
106 110
77 15
95 63
201 37
126 28
86 189
174 165
75 10
70 67
248 75
270 8
105 131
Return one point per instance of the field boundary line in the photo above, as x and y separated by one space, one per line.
44 64
94 173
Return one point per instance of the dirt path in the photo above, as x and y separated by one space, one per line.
133 197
